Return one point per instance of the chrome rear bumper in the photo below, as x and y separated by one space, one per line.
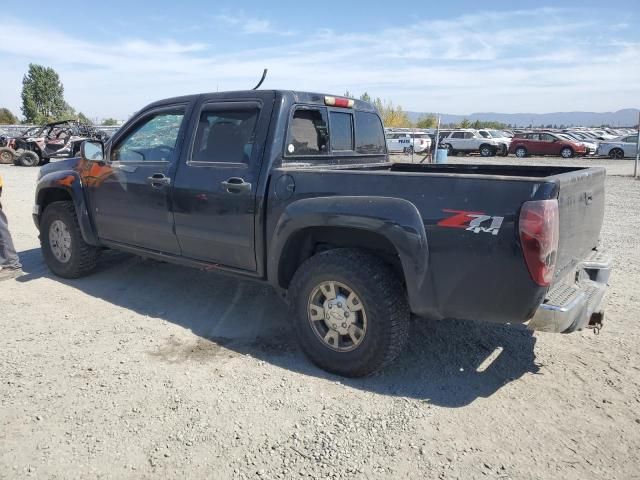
568 307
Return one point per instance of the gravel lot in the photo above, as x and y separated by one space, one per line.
147 369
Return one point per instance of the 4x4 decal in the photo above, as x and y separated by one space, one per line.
475 222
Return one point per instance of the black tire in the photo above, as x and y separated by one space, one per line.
450 151
383 299
7 155
566 152
28 159
83 257
521 152
487 150
505 151
616 154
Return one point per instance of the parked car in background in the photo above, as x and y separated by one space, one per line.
500 136
470 141
620 148
406 142
542 143
590 145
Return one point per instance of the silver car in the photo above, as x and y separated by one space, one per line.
622 147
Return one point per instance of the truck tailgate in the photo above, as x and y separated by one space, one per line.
581 211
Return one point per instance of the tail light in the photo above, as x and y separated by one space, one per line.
338 102
539 234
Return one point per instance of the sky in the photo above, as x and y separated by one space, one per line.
450 57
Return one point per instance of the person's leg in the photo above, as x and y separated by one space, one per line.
8 256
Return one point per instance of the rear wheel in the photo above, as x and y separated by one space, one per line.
566 152
616 153
7 155
521 152
28 159
350 312
64 250
450 151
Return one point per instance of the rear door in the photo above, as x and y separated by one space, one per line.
214 194
130 194
549 144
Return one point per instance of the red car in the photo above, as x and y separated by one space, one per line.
543 143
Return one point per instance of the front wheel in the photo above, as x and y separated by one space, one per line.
486 151
521 152
7 155
566 152
350 312
64 250
28 159
616 154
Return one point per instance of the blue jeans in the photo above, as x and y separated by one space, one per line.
8 256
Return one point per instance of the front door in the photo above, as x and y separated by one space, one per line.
130 194
214 195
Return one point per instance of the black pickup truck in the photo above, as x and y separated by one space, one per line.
296 189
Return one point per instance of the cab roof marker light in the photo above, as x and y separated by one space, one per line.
338 102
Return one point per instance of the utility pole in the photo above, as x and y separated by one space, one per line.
635 165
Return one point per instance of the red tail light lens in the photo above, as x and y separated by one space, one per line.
539 235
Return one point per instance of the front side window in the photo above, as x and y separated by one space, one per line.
485 134
469 135
369 134
225 134
457 135
308 132
152 140
341 131
545 137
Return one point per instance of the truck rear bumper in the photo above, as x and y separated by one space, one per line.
568 307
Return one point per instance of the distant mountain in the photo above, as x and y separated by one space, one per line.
622 118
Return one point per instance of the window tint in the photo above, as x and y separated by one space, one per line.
341 131
457 135
225 135
468 135
154 139
632 139
308 133
369 134
545 137
485 134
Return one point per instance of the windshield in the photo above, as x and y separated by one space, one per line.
496 133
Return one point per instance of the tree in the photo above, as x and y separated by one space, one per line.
82 118
108 122
347 94
427 121
465 123
42 95
365 97
6 117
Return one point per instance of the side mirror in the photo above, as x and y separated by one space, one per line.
92 150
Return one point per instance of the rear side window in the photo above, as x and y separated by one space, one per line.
225 134
369 134
341 131
457 135
308 132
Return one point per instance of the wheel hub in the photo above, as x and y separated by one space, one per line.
337 315
60 241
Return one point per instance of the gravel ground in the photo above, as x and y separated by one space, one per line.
146 369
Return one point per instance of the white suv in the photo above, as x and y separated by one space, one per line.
501 137
470 141
405 142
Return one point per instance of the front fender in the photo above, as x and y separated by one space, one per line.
69 182
395 219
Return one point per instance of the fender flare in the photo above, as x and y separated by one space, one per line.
70 182
395 219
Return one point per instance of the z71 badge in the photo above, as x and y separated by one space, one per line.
475 222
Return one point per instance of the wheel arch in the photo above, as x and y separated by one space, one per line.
391 228
65 186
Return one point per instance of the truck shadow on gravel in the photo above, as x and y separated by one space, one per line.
448 363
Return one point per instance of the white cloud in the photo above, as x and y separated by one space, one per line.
251 25
535 60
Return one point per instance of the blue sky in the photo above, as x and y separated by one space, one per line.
453 57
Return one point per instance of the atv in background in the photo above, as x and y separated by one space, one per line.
38 145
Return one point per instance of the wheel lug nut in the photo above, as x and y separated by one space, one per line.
346 314
339 305
344 325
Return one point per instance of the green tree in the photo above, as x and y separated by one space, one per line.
82 118
465 123
427 121
42 95
6 117
108 122
348 94
365 97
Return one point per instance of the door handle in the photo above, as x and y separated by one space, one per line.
236 185
158 180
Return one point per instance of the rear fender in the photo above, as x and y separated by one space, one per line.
50 188
395 219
